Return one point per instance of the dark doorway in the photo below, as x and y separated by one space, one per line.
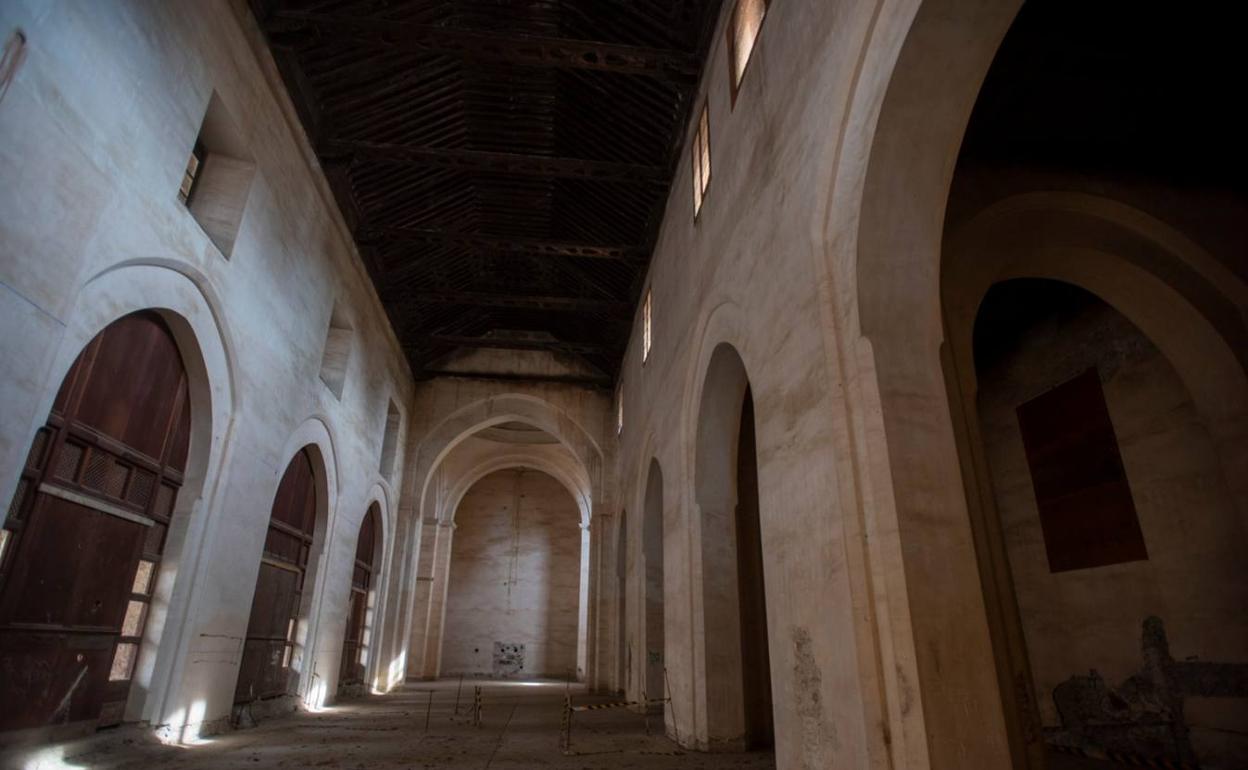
621 577
84 534
652 561
265 671
751 588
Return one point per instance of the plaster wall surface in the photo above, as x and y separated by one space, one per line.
817 255
514 577
750 271
95 131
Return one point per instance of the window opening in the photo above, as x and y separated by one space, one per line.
645 329
747 20
337 353
701 160
191 174
390 440
218 177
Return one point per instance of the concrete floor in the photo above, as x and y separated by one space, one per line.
520 729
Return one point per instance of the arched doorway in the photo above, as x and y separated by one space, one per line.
734 593
266 669
1121 535
454 450
513 585
653 686
82 542
357 638
621 602
1036 133
1071 154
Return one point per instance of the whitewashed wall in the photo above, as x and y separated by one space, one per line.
95 132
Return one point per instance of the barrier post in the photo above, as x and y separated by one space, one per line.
667 686
565 728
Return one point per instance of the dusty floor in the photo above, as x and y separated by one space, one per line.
520 729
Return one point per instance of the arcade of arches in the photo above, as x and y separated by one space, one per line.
722 383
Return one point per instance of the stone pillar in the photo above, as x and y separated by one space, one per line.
437 600
582 614
423 584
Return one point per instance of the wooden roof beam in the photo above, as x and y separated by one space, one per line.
509 343
603 381
671 66
528 246
521 302
476 161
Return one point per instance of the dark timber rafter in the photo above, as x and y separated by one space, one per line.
524 50
528 246
570 379
502 166
494 162
526 302
506 343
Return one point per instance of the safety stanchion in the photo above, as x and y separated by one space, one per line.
667 687
476 706
565 726
619 704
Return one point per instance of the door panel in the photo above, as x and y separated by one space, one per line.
79 563
264 671
94 499
277 591
353 666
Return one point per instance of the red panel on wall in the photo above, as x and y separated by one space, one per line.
1085 505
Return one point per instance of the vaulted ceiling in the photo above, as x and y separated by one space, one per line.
503 164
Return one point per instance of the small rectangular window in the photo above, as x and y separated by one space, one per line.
1086 511
336 355
390 440
701 160
747 20
619 414
191 174
217 178
132 623
123 661
645 329
143 577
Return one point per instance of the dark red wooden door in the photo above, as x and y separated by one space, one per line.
265 669
356 642
84 533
